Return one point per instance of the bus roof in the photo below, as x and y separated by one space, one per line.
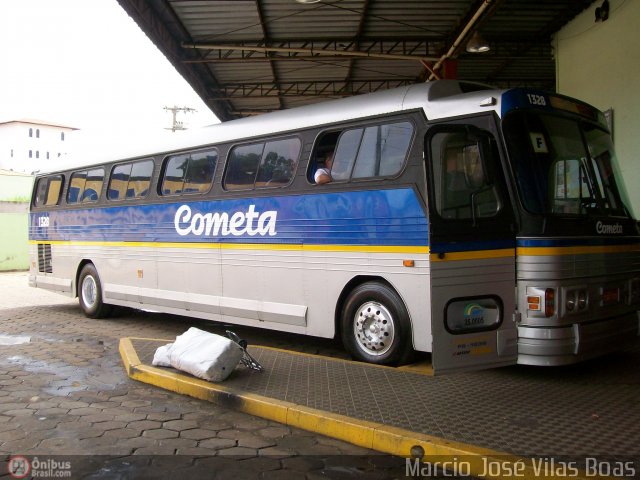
438 99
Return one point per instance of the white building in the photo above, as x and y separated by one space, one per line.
31 145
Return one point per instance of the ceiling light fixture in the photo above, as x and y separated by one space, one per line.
477 44
307 1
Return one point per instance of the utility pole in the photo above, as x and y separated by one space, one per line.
178 125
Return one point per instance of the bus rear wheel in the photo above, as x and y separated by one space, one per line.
90 293
375 325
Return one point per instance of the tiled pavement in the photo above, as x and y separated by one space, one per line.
66 393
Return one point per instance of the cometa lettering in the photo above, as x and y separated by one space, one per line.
215 223
608 229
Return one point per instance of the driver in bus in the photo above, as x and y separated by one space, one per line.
323 174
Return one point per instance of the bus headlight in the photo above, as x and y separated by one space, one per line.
571 301
582 299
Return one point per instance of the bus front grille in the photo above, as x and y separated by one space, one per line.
44 258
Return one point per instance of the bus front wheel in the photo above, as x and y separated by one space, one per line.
90 293
375 325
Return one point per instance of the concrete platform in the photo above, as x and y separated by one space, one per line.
511 414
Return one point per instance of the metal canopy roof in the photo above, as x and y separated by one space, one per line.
246 57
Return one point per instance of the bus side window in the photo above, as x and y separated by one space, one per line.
118 182
270 164
49 190
130 180
463 187
278 163
93 186
189 173
372 152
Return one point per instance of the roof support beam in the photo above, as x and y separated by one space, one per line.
308 51
265 34
336 89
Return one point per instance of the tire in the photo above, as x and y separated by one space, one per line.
90 293
375 325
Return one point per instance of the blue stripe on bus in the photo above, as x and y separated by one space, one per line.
577 242
376 218
478 245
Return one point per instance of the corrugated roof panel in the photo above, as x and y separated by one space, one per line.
219 20
518 31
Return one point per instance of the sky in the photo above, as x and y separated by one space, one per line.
86 64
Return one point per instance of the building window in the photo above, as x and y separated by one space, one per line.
37 133
37 153
12 153
30 153
47 155
31 132
62 136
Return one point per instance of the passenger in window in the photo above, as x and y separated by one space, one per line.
456 181
323 174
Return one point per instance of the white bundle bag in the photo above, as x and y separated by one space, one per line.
202 354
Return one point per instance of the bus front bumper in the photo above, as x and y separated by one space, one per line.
544 346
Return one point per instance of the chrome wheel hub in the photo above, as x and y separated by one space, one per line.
373 328
89 291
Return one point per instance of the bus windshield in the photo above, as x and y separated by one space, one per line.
564 166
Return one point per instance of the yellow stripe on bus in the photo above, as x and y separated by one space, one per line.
246 246
473 255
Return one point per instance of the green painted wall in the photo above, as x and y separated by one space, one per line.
14 246
15 192
599 62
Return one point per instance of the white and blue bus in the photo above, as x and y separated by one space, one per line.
486 227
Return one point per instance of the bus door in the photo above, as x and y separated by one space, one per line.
472 247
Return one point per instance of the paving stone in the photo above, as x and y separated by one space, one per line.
99 417
84 411
239 452
217 443
179 425
163 416
154 451
19 412
52 411
177 442
122 433
285 475
276 452
111 425
196 452
303 463
198 434
262 464
274 432
130 417
136 403
144 425
160 434
253 441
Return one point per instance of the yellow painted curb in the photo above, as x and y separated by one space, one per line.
372 435
422 368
